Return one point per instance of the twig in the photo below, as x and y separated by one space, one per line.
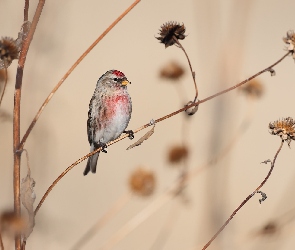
26 10
190 66
16 114
149 124
71 70
112 211
246 200
1 98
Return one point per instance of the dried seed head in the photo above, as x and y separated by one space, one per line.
8 51
172 70
12 223
177 153
285 128
170 31
142 182
290 41
253 89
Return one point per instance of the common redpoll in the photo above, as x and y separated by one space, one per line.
109 114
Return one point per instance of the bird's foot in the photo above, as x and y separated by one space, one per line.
130 134
101 145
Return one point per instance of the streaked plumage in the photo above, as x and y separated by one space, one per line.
109 113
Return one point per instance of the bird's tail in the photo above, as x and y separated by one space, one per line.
91 163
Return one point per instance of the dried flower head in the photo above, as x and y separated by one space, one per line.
172 70
11 223
8 51
253 89
170 31
177 153
285 128
142 182
290 40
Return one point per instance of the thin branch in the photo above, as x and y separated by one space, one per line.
246 200
190 66
112 211
147 125
71 70
16 114
1 98
26 10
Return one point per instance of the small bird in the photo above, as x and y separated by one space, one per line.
109 114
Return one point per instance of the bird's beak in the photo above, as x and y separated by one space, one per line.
125 82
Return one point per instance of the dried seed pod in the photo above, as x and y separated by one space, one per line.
172 71
177 153
142 182
285 128
170 31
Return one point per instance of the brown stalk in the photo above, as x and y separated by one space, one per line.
16 114
1 98
246 200
71 70
26 10
150 124
190 66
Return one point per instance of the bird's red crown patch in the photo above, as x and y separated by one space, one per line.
118 73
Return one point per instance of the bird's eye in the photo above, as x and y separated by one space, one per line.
115 79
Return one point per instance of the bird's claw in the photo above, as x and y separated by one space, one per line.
130 134
103 146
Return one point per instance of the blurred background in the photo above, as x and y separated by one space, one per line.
220 147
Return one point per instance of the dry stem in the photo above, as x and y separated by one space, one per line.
16 113
71 70
246 200
1 98
149 124
190 66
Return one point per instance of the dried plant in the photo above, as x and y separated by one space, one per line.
290 41
172 71
284 128
253 89
142 182
170 32
9 51
177 153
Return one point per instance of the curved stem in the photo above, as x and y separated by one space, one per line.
71 70
246 200
190 66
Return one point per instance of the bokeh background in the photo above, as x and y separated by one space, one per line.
227 42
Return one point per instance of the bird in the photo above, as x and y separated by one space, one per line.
109 114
